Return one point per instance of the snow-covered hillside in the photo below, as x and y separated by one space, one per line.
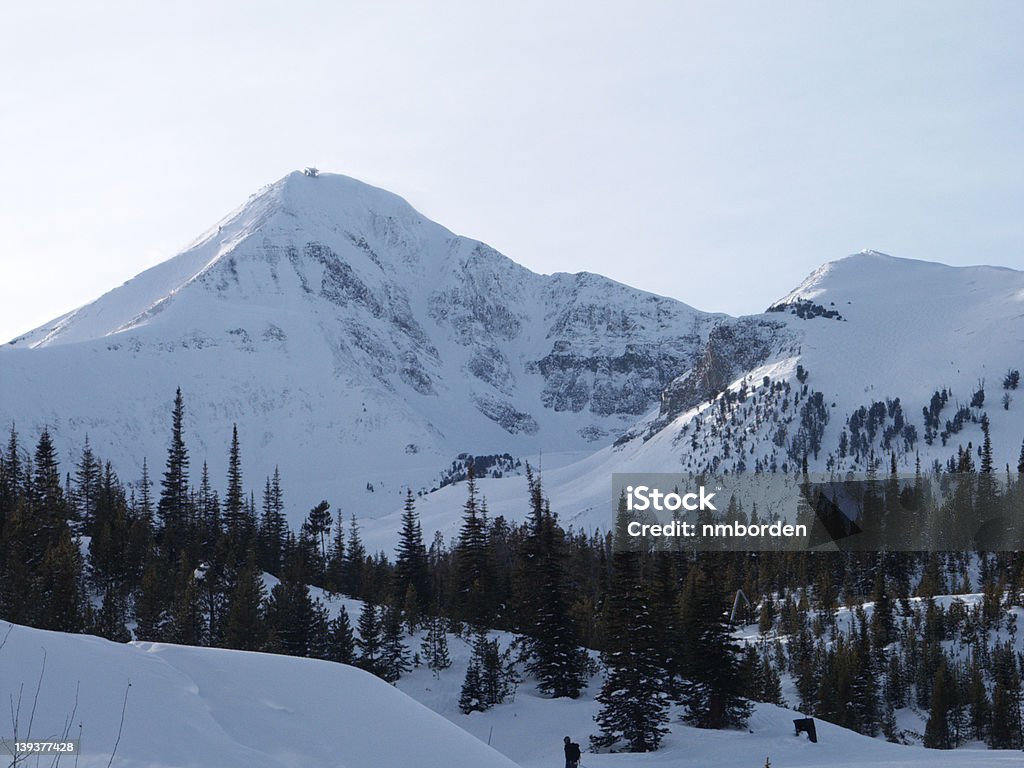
206 707
356 343
867 330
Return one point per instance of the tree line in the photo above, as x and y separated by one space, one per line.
178 561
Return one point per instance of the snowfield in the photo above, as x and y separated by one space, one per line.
220 709
210 708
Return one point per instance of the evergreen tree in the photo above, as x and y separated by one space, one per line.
394 658
865 713
290 610
937 733
370 640
633 699
145 505
319 632
435 646
60 590
410 557
473 567
713 691
173 507
489 676
471 696
334 573
557 661
50 510
87 482
353 562
109 622
1005 730
150 611
187 626
318 524
244 628
234 499
341 641
273 528
978 703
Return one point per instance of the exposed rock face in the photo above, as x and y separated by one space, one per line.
732 348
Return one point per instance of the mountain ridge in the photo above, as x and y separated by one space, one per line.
363 347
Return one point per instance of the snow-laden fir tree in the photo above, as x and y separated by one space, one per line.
490 676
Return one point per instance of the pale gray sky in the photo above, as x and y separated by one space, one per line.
714 152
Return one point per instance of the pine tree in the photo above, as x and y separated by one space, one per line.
290 610
1005 730
319 646
50 510
244 628
173 507
471 698
435 646
341 641
318 523
150 611
369 641
145 506
633 699
187 627
473 567
557 661
109 622
87 482
713 691
488 678
937 734
978 703
864 702
353 562
410 557
273 527
394 658
60 590
234 499
334 571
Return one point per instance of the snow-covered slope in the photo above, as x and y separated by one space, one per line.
356 343
206 707
865 330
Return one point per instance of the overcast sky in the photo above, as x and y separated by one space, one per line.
714 152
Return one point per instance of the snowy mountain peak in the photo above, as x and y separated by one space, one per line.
326 312
872 278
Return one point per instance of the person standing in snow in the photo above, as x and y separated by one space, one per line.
572 753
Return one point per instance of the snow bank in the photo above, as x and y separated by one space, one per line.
209 707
